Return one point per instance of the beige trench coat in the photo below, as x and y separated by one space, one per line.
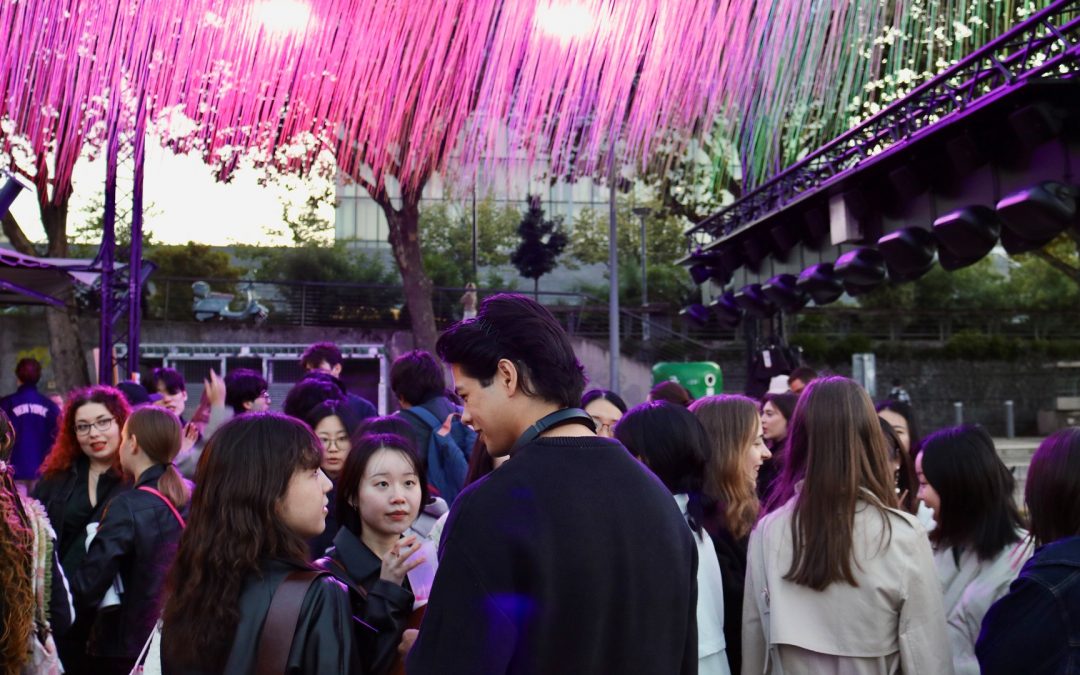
892 622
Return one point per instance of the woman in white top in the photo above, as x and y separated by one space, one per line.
669 440
979 543
839 580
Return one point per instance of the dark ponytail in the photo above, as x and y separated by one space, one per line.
158 433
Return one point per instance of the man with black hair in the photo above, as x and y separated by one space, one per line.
417 381
800 377
246 391
325 357
173 389
571 557
35 419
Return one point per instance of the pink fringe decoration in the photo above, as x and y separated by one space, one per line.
399 86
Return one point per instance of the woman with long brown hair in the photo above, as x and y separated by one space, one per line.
261 495
136 540
736 453
80 475
839 579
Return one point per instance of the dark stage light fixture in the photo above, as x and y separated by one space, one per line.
909 253
784 236
1040 212
861 270
816 227
1014 244
961 156
755 251
784 292
821 283
966 235
10 190
751 299
700 273
727 312
1036 124
697 313
905 184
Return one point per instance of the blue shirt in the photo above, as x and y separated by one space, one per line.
35 419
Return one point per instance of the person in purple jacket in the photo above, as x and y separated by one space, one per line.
36 420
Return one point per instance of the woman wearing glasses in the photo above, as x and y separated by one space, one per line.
79 476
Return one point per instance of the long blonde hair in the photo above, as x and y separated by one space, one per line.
730 422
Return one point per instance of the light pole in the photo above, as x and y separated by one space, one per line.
613 274
643 213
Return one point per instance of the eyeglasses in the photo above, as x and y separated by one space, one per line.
103 424
340 443
265 395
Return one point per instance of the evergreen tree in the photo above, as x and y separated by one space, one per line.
541 243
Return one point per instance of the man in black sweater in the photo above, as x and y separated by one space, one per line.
571 557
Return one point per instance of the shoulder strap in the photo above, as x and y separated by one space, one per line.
425 416
344 577
153 491
276 637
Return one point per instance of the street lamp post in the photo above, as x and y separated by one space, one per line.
643 213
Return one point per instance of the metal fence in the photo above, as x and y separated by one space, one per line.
383 307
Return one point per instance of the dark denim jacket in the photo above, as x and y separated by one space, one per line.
1036 627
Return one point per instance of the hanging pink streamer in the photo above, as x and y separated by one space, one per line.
404 87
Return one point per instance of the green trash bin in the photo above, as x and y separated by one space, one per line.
701 378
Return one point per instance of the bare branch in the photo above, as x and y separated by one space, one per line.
1059 264
14 232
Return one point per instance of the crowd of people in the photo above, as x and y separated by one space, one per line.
516 523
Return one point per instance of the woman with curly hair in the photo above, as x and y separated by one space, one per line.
28 571
79 476
736 453
16 563
260 496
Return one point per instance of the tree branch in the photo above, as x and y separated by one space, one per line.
14 232
1059 264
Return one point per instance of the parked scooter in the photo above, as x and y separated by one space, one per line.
210 305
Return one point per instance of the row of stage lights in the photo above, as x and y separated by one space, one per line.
1023 221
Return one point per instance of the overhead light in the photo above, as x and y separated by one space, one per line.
966 236
751 299
1040 212
909 253
697 313
784 292
1014 244
821 283
861 270
727 312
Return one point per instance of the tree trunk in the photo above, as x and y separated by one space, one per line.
65 346
404 238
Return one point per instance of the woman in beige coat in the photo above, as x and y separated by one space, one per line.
840 580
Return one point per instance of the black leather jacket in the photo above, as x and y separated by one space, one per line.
136 539
388 605
55 492
324 642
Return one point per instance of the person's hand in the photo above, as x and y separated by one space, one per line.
397 563
190 437
407 640
215 389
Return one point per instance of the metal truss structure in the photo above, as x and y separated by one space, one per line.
1044 48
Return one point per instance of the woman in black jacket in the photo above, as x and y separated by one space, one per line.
136 540
737 452
260 496
80 475
379 494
